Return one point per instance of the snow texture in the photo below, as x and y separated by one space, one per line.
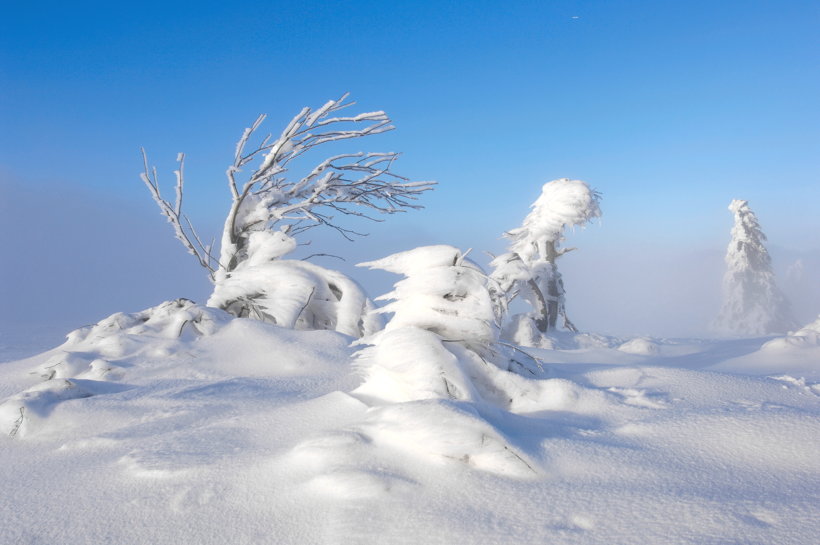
293 294
185 424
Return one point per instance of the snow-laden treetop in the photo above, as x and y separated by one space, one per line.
746 225
563 203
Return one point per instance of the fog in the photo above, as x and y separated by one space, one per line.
72 257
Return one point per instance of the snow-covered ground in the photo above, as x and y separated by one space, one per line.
185 425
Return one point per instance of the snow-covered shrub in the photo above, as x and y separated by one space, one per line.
437 363
294 294
168 320
442 339
752 302
269 207
529 270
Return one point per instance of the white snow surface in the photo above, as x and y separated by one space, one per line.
183 424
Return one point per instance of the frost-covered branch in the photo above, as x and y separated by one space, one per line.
267 199
343 183
178 221
269 207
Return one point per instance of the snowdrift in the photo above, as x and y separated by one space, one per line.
184 424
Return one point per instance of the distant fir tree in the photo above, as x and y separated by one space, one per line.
752 303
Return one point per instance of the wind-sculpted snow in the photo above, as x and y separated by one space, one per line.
441 346
95 358
807 336
239 431
797 353
296 295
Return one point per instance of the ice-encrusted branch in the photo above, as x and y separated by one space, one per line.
359 184
173 213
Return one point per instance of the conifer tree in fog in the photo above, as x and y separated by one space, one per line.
752 303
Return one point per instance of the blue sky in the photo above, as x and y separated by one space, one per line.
670 109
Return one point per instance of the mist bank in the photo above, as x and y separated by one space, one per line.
74 257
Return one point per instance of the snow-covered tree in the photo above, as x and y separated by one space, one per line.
269 208
752 302
443 333
529 268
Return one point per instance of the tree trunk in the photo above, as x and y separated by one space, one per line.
541 323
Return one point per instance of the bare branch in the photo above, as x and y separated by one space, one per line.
172 213
323 255
267 198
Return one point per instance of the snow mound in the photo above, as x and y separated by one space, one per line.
641 346
523 333
253 433
296 295
94 359
441 431
807 336
168 320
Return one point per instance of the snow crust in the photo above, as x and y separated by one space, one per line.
185 424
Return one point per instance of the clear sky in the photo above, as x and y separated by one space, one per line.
670 109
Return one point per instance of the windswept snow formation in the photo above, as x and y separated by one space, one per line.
93 359
752 302
293 294
439 359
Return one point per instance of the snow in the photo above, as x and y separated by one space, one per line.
563 203
443 292
184 424
295 294
808 336
639 345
